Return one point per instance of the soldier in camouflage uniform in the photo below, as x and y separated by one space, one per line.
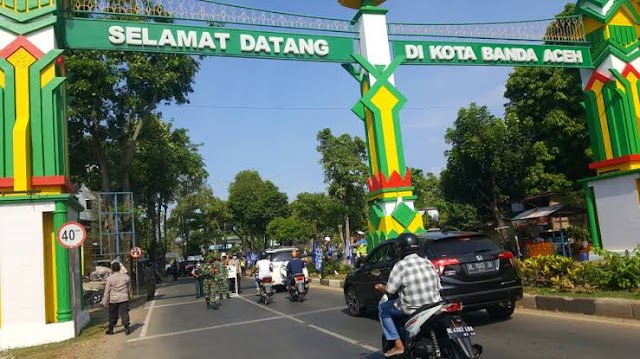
220 284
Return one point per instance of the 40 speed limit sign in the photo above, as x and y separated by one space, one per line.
71 235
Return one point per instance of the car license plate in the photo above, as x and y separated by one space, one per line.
461 332
482 267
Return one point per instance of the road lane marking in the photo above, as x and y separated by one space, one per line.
318 311
147 319
174 304
189 331
315 327
580 317
284 315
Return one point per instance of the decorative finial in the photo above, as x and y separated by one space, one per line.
358 4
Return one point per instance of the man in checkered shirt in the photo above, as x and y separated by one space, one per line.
417 283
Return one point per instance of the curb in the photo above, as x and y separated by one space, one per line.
334 283
603 307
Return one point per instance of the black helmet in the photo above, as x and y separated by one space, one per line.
264 255
407 243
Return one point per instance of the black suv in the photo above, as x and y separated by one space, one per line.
472 269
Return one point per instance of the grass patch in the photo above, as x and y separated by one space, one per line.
621 294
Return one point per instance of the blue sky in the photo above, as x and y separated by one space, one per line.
281 144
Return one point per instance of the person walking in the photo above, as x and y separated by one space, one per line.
208 280
220 282
117 295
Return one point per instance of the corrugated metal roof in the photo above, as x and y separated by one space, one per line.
537 212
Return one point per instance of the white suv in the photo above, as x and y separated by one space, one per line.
279 257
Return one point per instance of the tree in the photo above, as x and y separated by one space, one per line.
254 203
428 190
320 211
345 171
113 96
547 105
290 231
482 163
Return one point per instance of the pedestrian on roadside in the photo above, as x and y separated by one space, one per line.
150 279
117 295
243 265
199 278
234 265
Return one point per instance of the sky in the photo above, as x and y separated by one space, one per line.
280 142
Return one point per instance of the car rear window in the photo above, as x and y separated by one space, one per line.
281 257
461 245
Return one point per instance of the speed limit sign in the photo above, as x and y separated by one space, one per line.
136 252
71 235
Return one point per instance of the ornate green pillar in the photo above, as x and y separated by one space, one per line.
64 312
390 196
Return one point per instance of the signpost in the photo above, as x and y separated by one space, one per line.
71 235
135 253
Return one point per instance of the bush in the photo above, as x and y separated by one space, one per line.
557 272
615 272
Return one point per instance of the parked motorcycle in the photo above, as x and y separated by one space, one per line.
300 287
266 290
436 331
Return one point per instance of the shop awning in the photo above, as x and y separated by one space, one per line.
537 212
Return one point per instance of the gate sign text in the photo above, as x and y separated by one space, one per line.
198 40
440 53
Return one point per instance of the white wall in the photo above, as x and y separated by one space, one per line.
22 278
618 212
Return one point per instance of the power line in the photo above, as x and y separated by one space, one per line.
315 108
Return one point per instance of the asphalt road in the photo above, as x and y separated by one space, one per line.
176 325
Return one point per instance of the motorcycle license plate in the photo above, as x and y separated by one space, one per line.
461 332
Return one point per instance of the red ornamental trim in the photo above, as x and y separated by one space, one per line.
629 68
43 181
614 161
379 181
596 76
21 42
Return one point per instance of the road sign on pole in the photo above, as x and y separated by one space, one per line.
136 252
71 235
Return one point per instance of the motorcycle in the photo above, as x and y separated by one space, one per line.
300 287
435 331
266 290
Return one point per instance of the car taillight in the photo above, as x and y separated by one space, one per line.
455 307
507 255
440 264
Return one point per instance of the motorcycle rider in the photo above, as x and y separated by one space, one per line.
295 266
417 283
264 267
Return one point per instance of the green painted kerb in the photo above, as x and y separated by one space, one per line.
64 311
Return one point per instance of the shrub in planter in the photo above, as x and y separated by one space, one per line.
556 272
614 272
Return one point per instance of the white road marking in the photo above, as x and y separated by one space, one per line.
174 304
203 329
145 326
579 317
284 315
318 311
312 326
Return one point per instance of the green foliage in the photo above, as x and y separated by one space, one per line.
615 271
254 203
288 231
345 171
556 272
321 212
